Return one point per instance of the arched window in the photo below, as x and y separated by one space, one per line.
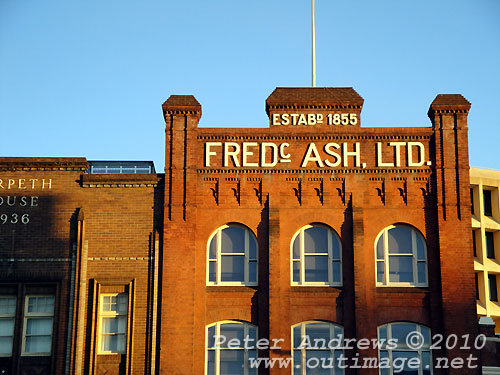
401 257
230 347
395 352
316 255
232 256
317 348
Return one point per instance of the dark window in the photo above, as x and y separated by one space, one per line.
490 245
472 201
492 281
474 243
477 285
487 202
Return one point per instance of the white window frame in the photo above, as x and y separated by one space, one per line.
9 316
217 349
36 315
332 236
217 235
413 254
111 314
419 351
303 350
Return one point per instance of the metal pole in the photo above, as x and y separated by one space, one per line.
313 49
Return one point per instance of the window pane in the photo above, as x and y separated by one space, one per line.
401 359
232 268
122 303
252 269
401 331
474 246
487 202
252 370
421 272
211 362
490 245
41 304
211 338
114 325
233 240
420 247
252 333
297 339
426 332
8 305
492 283
321 366
335 247
297 362
384 356
211 271
316 268
252 247
113 343
6 345
380 247
6 327
38 344
400 269
399 240
316 240
212 248
336 272
382 333
296 271
231 362
380 272
318 331
232 331
472 201
39 326
296 247
426 363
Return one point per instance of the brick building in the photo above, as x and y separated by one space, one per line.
314 226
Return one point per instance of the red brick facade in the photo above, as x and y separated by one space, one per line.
146 235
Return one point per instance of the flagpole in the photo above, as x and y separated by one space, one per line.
313 49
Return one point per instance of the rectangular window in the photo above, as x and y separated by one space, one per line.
474 248
38 325
492 282
472 201
113 323
487 202
7 321
477 284
490 245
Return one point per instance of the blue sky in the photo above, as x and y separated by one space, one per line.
87 78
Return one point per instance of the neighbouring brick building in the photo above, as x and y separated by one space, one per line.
313 226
